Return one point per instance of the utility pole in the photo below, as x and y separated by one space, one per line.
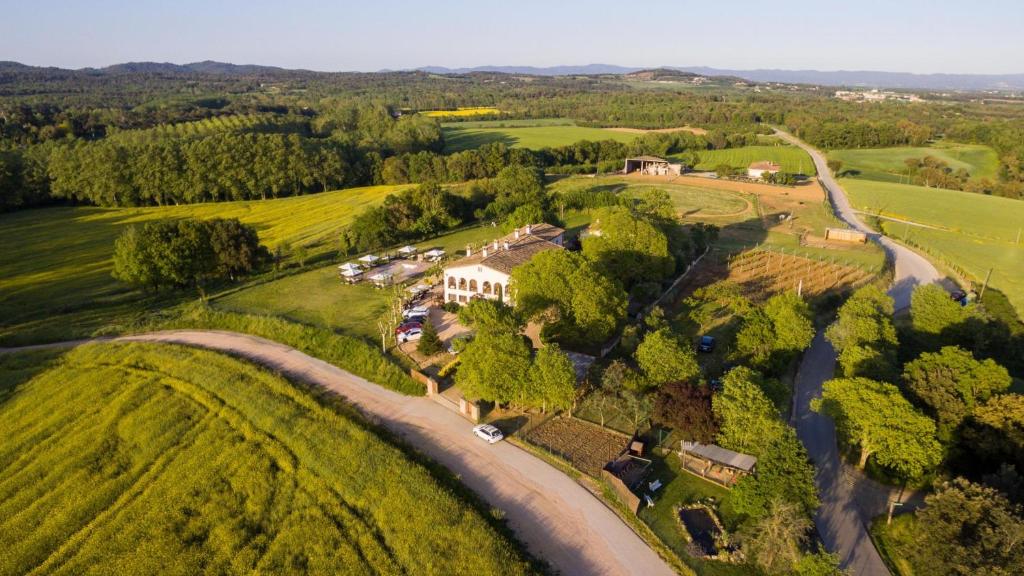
985 285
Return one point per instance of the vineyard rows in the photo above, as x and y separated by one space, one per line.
204 127
768 272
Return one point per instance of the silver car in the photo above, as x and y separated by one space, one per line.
488 433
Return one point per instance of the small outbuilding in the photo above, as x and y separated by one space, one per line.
652 166
716 464
759 169
845 235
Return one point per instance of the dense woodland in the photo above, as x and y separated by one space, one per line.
157 134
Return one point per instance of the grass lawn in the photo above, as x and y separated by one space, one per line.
887 164
980 231
791 158
465 136
683 488
55 271
132 458
892 542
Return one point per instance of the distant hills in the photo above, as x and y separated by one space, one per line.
852 78
848 78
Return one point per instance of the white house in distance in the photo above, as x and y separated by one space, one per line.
484 273
758 169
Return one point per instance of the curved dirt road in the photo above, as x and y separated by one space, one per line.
848 500
557 518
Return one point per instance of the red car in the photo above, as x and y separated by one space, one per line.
405 327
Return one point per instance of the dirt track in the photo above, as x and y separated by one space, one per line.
557 518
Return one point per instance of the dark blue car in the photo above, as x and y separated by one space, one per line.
706 344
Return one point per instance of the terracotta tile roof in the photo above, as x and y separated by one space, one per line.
540 238
765 165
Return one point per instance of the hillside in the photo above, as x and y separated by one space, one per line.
144 459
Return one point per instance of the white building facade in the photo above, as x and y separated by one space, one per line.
484 273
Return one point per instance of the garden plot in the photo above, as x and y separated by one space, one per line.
586 446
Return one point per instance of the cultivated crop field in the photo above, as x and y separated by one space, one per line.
466 136
462 112
977 232
763 273
588 447
56 262
157 459
887 164
791 158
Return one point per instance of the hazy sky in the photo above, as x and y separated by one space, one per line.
956 36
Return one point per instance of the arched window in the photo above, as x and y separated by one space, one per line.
472 285
487 287
451 281
497 291
462 283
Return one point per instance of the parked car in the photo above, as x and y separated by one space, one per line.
488 433
706 344
410 335
415 311
406 326
416 318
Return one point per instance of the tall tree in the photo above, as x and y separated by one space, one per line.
864 334
628 247
663 358
880 422
687 410
774 542
494 367
552 379
950 383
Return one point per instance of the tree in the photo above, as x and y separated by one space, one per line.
994 433
565 291
772 335
745 414
937 319
774 541
967 529
663 358
552 379
637 406
864 335
236 246
687 410
880 422
429 343
494 367
716 300
627 247
490 316
835 166
950 383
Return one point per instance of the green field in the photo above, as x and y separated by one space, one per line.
791 158
979 232
887 164
468 135
55 270
158 459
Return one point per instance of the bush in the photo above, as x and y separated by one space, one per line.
451 307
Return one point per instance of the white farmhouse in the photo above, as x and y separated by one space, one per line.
757 169
484 273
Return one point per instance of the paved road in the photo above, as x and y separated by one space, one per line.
557 518
848 499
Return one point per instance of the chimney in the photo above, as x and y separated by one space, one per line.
529 229
506 245
485 252
517 234
469 250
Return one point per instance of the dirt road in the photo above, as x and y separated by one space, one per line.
557 518
848 499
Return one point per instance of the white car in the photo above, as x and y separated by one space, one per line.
415 311
488 433
410 335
